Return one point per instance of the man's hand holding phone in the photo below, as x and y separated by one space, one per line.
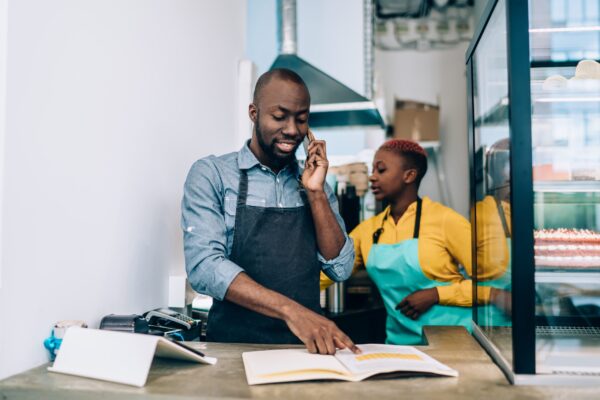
316 165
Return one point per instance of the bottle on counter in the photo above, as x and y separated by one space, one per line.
350 207
336 297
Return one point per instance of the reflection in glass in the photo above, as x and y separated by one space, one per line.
492 183
493 236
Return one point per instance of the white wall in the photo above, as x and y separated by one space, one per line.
261 33
427 77
108 104
330 36
3 42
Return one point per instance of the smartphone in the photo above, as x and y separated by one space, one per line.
307 139
305 143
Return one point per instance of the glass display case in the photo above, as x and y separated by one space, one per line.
534 143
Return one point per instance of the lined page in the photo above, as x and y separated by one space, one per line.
388 358
276 361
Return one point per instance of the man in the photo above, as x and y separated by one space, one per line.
258 231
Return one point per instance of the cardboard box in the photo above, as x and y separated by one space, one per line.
416 121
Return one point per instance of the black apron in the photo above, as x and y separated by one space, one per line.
277 248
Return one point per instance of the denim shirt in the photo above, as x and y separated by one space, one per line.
208 217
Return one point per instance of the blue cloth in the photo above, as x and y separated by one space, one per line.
208 217
397 272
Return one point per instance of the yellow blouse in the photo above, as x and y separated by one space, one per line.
444 241
493 257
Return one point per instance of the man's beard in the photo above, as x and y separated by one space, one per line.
270 150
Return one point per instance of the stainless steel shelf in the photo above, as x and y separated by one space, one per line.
566 186
567 331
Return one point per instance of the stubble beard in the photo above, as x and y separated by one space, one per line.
270 150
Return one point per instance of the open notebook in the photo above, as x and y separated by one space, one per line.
272 366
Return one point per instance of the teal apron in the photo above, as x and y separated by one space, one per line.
491 315
396 271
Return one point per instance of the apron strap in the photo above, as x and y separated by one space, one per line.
418 218
502 218
379 231
242 188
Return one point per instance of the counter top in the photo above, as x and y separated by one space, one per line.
479 378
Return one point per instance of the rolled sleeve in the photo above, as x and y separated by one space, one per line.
204 232
339 268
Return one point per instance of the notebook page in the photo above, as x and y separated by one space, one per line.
277 362
389 358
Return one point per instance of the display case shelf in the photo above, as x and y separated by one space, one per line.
574 91
566 186
571 276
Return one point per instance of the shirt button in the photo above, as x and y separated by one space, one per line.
263 168
280 205
277 180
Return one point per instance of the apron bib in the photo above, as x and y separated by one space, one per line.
277 248
396 271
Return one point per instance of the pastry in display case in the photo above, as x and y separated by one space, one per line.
533 82
567 248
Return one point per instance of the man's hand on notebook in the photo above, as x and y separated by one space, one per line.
319 334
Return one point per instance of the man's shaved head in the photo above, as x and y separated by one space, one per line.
279 111
277 73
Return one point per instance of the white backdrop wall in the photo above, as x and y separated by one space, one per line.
429 77
3 32
109 102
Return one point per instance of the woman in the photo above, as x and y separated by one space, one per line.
412 249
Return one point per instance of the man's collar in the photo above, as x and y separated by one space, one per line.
247 159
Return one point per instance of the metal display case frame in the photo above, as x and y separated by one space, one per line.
522 368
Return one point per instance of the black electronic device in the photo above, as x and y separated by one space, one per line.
169 318
124 323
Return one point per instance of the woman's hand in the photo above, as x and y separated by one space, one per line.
416 304
502 299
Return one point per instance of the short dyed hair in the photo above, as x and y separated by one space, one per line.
279 73
413 153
